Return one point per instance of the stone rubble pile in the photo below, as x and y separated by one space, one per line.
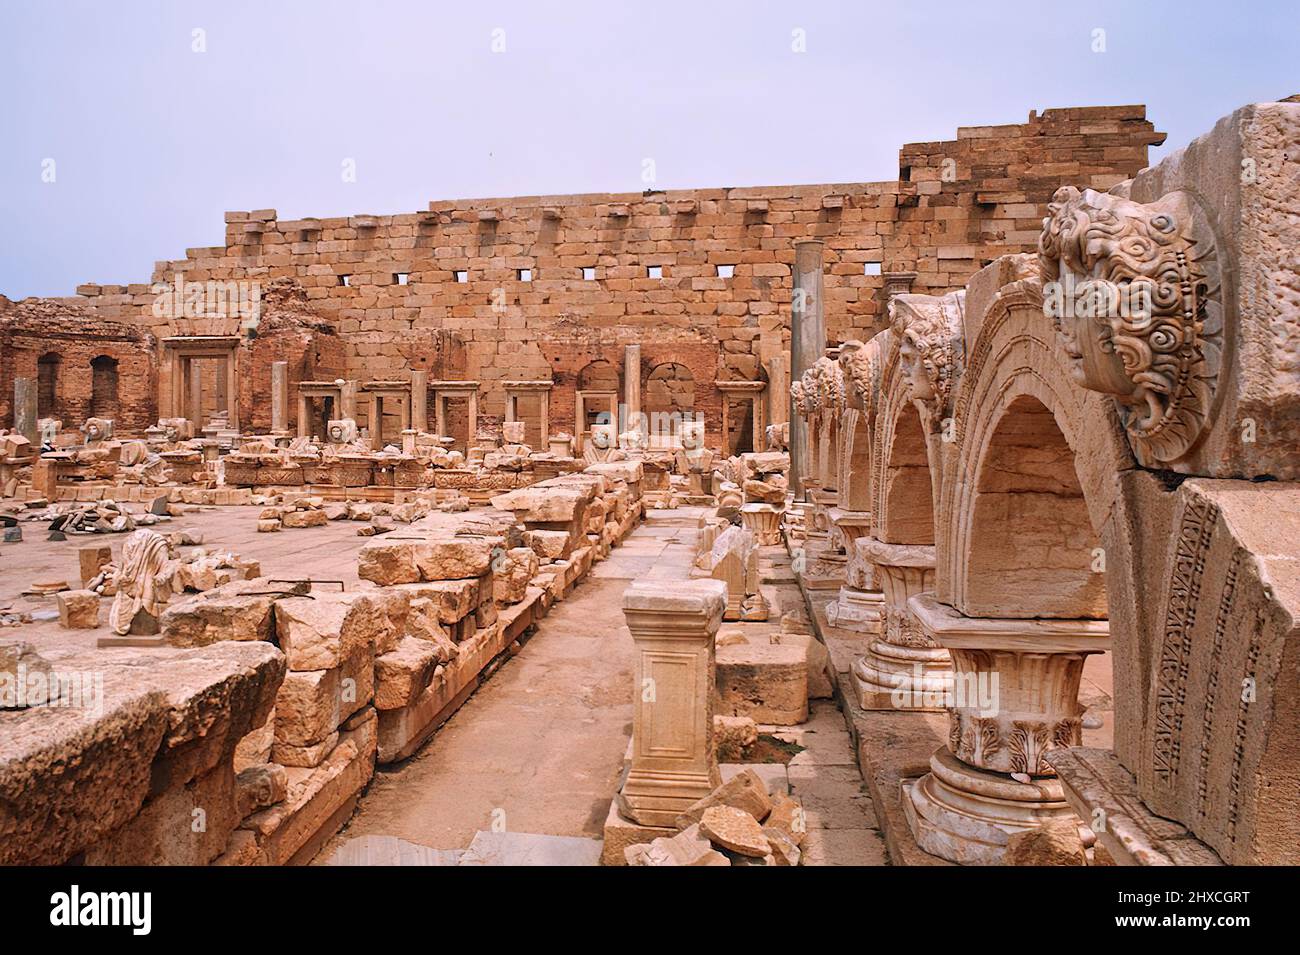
739 823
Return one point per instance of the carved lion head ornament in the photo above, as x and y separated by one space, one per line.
928 329
1134 293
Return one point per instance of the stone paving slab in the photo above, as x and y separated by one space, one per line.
526 848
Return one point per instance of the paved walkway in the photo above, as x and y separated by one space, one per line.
539 747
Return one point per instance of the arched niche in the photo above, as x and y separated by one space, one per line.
103 386
1032 478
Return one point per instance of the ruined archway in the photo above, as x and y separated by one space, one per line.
669 398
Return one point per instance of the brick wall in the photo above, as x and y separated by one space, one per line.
956 205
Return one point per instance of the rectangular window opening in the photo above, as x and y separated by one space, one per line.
871 268
654 272
461 276
726 271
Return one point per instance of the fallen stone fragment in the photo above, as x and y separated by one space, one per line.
735 830
787 816
744 791
688 848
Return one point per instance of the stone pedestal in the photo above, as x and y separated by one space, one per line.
673 624
860 602
1014 698
903 668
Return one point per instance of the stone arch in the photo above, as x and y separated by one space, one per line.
903 485
47 384
599 375
670 392
103 386
1035 467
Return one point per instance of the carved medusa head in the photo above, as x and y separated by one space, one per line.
1133 291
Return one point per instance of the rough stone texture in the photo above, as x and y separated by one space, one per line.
402 674
116 786
453 558
732 735
735 830
79 609
766 682
1057 844
745 791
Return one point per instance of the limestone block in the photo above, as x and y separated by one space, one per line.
402 674
767 682
688 847
450 600
307 707
78 609
734 830
546 504
305 519
323 630
549 545
453 558
388 562
236 611
512 573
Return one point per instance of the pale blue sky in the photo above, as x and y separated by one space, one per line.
153 142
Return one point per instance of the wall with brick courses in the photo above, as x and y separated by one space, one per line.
957 205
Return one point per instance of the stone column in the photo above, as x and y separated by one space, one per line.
25 411
420 400
778 390
544 416
1015 697
903 669
279 397
304 416
673 624
347 400
632 387
194 383
807 341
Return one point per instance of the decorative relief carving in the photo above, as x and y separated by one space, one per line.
928 330
1175 649
1134 292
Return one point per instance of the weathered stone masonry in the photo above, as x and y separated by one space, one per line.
957 205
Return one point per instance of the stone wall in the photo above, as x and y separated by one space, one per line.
123 389
957 205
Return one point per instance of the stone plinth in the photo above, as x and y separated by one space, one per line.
1014 698
860 602
673 624
903 667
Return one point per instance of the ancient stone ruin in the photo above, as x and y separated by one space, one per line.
951 519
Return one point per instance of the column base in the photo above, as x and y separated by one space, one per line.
658 798
914 679
859 611
967 815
